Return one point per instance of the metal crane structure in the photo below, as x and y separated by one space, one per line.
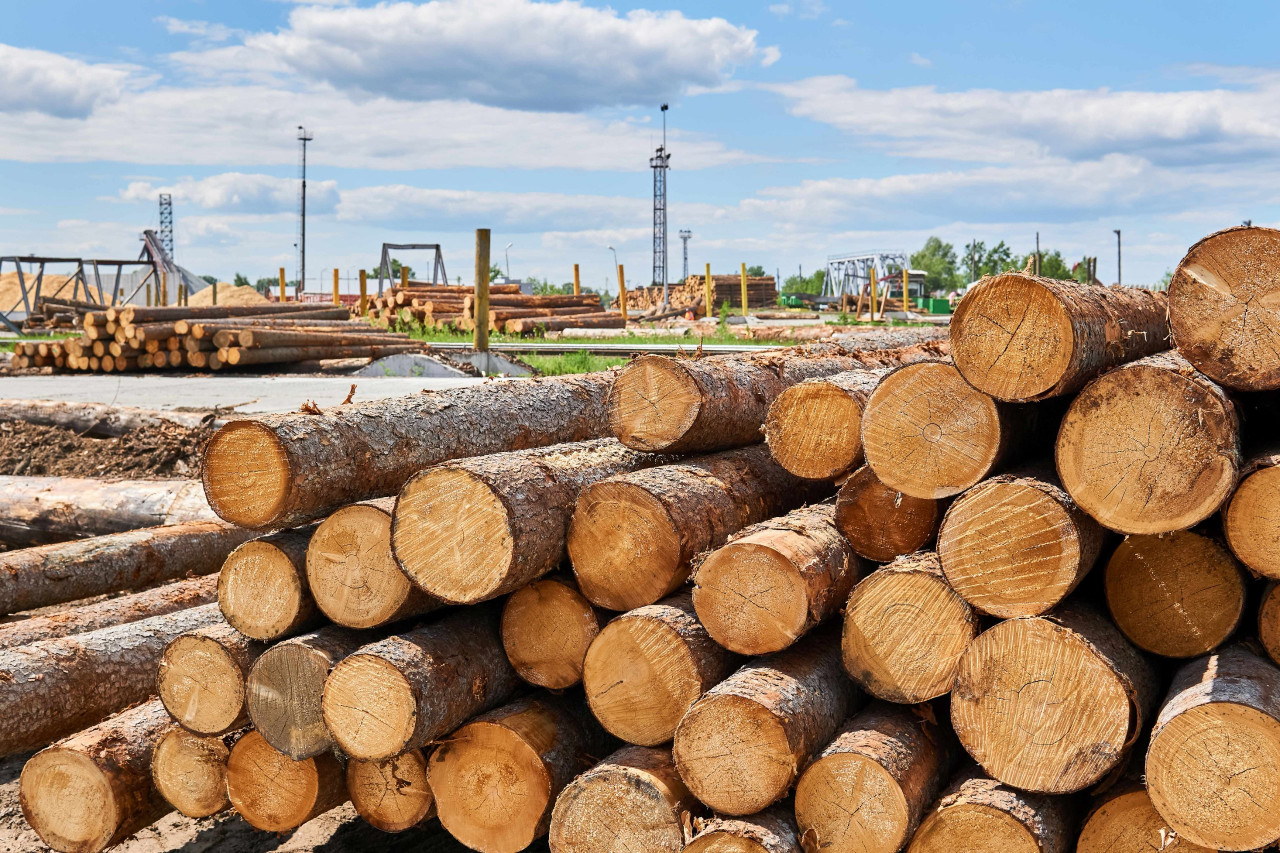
438 275
166 223
660 163
684 238
851 273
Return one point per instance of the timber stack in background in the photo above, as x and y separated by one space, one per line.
762 292
1017 592
510 311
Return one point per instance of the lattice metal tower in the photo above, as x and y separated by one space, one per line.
659 163
303 139
684 238
166 223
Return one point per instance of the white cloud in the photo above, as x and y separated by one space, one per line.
917 59
239 192
56 85
780 9
203 30
802 9
771 55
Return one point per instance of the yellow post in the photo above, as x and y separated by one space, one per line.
182 293
336 300
744 290
164 288
282 295
707 297
874 285
404 277
480 306
364 293
906 291
622 293
577 283
149 284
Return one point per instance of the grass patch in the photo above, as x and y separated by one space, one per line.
719 335
573 362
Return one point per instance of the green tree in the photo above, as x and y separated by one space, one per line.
396 266
999 259
805 284
1165 279
264 285
938 260
496 271
210 279
755 271
241 281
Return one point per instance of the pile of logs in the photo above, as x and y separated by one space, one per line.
762 292
1014 593
510 311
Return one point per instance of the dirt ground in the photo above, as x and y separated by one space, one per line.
163 450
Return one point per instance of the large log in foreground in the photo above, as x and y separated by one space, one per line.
979 813
262 588
285 470
1124 818
882 523
1251 520
547 628
201 677
814 429
190 770
275 793
393 794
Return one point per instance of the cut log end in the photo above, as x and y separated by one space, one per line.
247 476
201 684
776 595
653 403
351 572
814 430
391 794
975 826
369 707
259 591
275 793
838 782
1269 621
734 754
1126 820
547 628
283 695
1252 521
190 772
68 800
624 546
882 523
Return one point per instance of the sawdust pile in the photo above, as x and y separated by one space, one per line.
228 294
52 285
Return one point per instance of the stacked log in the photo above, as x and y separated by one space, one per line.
762 292
510 311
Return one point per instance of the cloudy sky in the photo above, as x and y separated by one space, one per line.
797 129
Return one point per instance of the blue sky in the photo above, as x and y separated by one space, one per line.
797 129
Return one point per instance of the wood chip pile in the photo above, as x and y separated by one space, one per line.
510 311
1014 593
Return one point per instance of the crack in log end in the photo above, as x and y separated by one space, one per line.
247 476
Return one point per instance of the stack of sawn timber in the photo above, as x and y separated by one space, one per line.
510 311
679 638
762 292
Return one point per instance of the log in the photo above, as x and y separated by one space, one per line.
285 470
95 418
417 288
94 789
352 574
1222 307
1215 752
392 793
289 355
1151 447
1269 621
41 510
169 598
274 793
929 434
472 530
1179 595
770 831
648 667
905 630
201 678
559 324
1017 545
881 523
775 581
742 745
147 331
633 800
634 536
546 629
409 689
135 314
814 428
337 318
1051 703
190 770
496 779
524 300
978 813
1020 337
868 789
56 687
1123 818
671 405
274 338
262 588
1251 519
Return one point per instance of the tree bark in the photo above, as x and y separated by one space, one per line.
473 530
1151 447
263 590
743 744
1223 307
201 678
1251 519
634 536
410 689
496 779
94 789
1179 596
881 523
1020 337
770 831
814 428
190 770
868 789
327 318
604 320
352 574
1051 703
276 338
41 510
95 418
1123 818
1017 545
633 800
648 667
775 581
136 314
1215 752
392 793
284 470
905 630
546 629
978 813
277 794
670 405
240 356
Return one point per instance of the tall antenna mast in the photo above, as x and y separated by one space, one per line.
166 223
659 164
304 138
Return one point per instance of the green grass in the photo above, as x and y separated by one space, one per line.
573 362
720 335
8 344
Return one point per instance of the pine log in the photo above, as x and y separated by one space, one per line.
94 789
547 628
352 574
524 300
1151 447
137 314
392 793
743 744
284 470
1269 621
56 687
929 434
1017 545
868 789
262 588
528 325
190 770
648 666
1223 304
770 831
201 678
40 510
1124 818
775 581
292 354
633 800
417 288
95 418
285 684
634 536
275 793
881 523
1251 520
1020 337
1179 595
497 778
338 318
274 338
671 405
814 428
905 630
472 530
410 689
979 813
1051 703
148 331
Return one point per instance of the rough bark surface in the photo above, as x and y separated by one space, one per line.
814 429
392 794
979 813
1251 520
94 418
190 770
547 628
263 590
200 677
770 831
882 523
275 793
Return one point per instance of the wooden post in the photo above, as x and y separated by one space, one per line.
744 290
149 283
875 283
164 288
622 292
404 276
336 299
282 294
480 307
364 293
182 293
577 284
215 293
906 291
707 297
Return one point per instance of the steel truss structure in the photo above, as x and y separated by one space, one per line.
438 275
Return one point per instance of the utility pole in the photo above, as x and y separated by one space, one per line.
1119 279
304 138
1037 253
660 163
684 238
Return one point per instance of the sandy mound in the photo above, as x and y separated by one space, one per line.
228 294
53 285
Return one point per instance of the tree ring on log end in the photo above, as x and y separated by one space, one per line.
973 826
200 684
615 804
352 575
624 546
1129 821
547 628
1252 521
270 790
247 476
815 430
1269 621
259 591
653 403
190 772
68 800
369 707
734 754
393 795
284 689
751 599
832 784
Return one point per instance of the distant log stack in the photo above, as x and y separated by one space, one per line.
762 292
510 311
